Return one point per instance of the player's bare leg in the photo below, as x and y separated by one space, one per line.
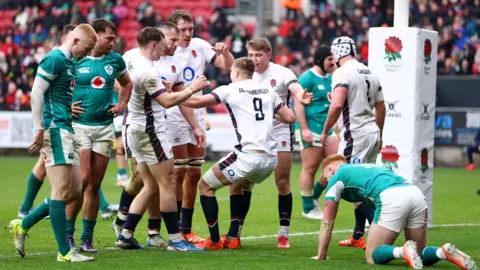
122 176
137 208
282 179
193 175
163 174
180 153
75 206
311 158
91 200
34 183
379 237
131 189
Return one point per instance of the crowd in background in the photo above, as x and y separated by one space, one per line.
38 24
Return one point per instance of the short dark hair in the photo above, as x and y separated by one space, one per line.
68 28
178 15
245 65
101 25
149 34
169 26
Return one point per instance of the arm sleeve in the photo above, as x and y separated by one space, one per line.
277 102
50 67
334 188
289 77
378 92
339 79
40 86
153 85
122 67
208 52
221 94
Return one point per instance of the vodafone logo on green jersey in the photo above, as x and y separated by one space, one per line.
98 82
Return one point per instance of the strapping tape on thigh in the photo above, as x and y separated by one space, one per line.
210 178
195 162
180 163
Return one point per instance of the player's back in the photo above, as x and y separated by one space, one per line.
251 106
363 92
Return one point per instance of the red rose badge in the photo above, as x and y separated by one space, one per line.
427 51
393 48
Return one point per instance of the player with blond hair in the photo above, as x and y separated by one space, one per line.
399 206
51 112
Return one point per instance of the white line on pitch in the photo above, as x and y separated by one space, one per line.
257 237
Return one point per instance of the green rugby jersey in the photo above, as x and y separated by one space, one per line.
361 182
94 86
57 69
321 88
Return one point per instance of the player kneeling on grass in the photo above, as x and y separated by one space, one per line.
399 206
252 107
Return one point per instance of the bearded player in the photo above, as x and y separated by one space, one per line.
356 94
309 125
193 54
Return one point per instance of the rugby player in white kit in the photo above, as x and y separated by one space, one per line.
252 107
356 94
147 139
284 82
193 54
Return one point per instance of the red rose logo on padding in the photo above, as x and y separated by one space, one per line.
393 48
390 157
424 160
427 51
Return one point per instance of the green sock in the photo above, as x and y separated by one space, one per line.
429 255
307 203
122 171
71 227
383 254
33 186
317 190
88 226
58 217
103 201
39 213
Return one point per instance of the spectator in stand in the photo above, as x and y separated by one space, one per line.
219 27
3 105
120 45
141 9
9 48
149 18
120 10
239 41
21 19
3 64
39 34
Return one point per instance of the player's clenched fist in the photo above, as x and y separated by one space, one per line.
168 85
220 48
199 83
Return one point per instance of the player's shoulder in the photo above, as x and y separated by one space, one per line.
114 56
307 75
199 43
131 53
55 55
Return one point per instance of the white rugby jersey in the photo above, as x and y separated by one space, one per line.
252 106
169 70
144 113
279 79
357 118
193 60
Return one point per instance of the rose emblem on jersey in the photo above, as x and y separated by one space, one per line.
393 48
174 69
72 84
109 70
424 160
273 82
329 97
97 82
284 143
390 157
194 53
427 51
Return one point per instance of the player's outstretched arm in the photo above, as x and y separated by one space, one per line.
285 115
302 120
330 209
300 94
169 100
225 59
124 93
201 101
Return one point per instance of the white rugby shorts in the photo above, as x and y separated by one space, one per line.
60 147
283 135
360 150
151 147
181 134
98 138
401 207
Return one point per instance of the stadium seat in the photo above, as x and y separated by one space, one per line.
132 14
8 14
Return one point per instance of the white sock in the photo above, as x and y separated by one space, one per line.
440 254
122 216
283 231
127 234
398 253
175 237
153 232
